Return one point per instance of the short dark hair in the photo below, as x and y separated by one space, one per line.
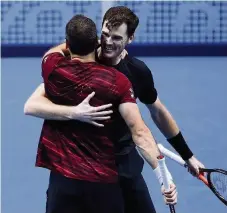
81 35
116 16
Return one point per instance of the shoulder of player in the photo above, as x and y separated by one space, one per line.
135 62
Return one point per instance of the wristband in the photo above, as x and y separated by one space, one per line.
159 175
180 145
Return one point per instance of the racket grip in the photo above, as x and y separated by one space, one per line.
179 160
171 155
202 178
163 170
165 177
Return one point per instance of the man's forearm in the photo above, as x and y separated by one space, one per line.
164 121
41 107
147 146
167 125
61 48
141 135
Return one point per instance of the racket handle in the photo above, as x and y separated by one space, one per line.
202 178
179 160
163 170
171 155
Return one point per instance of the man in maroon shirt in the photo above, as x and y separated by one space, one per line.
81 157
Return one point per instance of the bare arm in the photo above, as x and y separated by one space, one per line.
140 133
61 48
40 106
163 119
168 126
146 145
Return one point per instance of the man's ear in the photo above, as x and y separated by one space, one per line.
98 44
131 38
67 43
67 51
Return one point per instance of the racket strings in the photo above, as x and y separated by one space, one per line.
219 181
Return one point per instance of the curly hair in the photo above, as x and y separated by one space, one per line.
116 16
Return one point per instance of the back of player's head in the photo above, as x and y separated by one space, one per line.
116 16
81 35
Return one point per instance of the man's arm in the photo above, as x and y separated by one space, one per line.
163 119
140 133
39 105
168 126
61 48
146 144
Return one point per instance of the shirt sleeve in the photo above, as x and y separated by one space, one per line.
49 62
125 90
147 92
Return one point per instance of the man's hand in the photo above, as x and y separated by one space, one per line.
86 113
170 196
194 165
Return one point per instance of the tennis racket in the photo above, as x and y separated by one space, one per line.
162 166
215 179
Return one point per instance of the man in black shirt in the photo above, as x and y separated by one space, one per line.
118 27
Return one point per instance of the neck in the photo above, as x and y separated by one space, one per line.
85 58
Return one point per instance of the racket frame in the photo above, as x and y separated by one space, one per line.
210 184
201 176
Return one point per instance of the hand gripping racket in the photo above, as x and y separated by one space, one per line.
215 179
162 166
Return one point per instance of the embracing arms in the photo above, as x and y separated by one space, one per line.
39 105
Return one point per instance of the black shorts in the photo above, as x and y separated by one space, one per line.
134 189
66 195
136 195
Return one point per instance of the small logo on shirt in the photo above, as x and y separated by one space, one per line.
131 93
